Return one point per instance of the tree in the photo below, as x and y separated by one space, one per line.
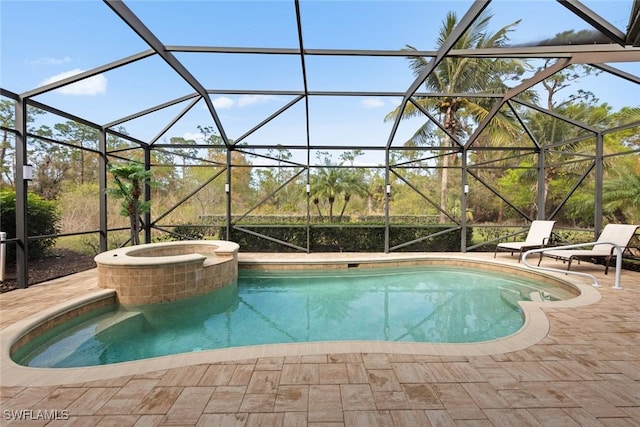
461 75
326 184
185 155
7 141
621 196
270 181
241 170
129 180
83 136
355 182
333 181
566 162
630 138
66 155
352 184
52 164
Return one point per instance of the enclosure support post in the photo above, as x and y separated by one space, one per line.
308 192
3 254
541 214
102 185
387 200
227 189
22 187
147 196
463 202
599 171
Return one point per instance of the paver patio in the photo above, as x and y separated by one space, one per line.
586 371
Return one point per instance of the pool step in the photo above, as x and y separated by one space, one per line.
120 325
114 319
512 296
79 340
112 327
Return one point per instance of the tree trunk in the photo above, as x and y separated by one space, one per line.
450 125
133 228
444 175
3 153
134 211
331 201
81 163
347 197
317 203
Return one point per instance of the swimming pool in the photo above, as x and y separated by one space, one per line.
418 304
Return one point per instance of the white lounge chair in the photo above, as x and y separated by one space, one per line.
538 237
619 234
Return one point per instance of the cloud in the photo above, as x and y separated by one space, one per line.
246 100
359 163
47 60
91 86
222 102
193 136
372 103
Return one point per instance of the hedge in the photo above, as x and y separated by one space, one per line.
221 220
43 219
346 238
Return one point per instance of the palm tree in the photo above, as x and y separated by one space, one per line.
129 179
352 184
326 184
621 196
461 75
331 182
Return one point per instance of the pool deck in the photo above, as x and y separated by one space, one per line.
579 365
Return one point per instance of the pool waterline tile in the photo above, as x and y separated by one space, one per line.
591 341
535 329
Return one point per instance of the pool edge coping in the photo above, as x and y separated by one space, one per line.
535 329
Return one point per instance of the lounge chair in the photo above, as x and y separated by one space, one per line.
538 237
619 234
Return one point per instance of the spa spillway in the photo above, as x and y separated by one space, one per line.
170 271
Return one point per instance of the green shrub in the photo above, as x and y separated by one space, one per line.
295 235
301 220
188 232
346 238
446 242
43 219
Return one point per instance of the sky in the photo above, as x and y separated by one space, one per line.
44 41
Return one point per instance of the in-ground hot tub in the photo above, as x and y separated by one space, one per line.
163 272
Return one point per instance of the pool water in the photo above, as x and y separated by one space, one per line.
422 304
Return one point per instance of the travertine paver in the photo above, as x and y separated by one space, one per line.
291 398
226 399
585 372
264 382
325 404
158 401
217 375
409 418
332 373
357 373
258 402
88 403
300 373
